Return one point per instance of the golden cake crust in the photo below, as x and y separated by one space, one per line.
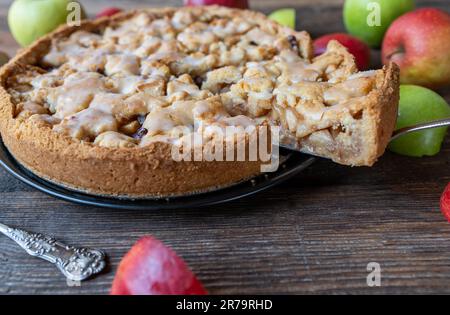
150 171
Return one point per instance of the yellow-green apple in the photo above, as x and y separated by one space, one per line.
419 42
242 4
30 19
369 19
356 47
420 105
284 16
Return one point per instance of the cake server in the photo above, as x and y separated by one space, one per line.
291 143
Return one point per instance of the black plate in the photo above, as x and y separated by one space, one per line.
294 164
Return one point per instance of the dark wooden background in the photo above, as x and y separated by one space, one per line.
314 234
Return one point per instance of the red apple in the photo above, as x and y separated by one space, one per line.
419 42
445 202
151 268
108 12
355 46
242 4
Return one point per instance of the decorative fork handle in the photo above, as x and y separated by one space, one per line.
77 264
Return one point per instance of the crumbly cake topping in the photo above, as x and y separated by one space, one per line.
141 79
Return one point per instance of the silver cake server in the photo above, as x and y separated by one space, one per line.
291 143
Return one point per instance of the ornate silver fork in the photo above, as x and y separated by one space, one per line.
77 264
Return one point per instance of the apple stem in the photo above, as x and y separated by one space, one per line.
399 51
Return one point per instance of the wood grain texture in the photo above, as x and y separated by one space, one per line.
314 234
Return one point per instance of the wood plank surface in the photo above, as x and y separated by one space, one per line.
313 234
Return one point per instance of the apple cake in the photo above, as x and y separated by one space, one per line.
99 107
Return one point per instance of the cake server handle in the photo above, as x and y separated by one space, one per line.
77 264
291 143
429 125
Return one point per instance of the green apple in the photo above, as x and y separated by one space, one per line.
30 19
285 17
370 19
420 105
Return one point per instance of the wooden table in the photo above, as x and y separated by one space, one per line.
314 234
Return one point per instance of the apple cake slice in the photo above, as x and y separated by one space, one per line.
99 107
